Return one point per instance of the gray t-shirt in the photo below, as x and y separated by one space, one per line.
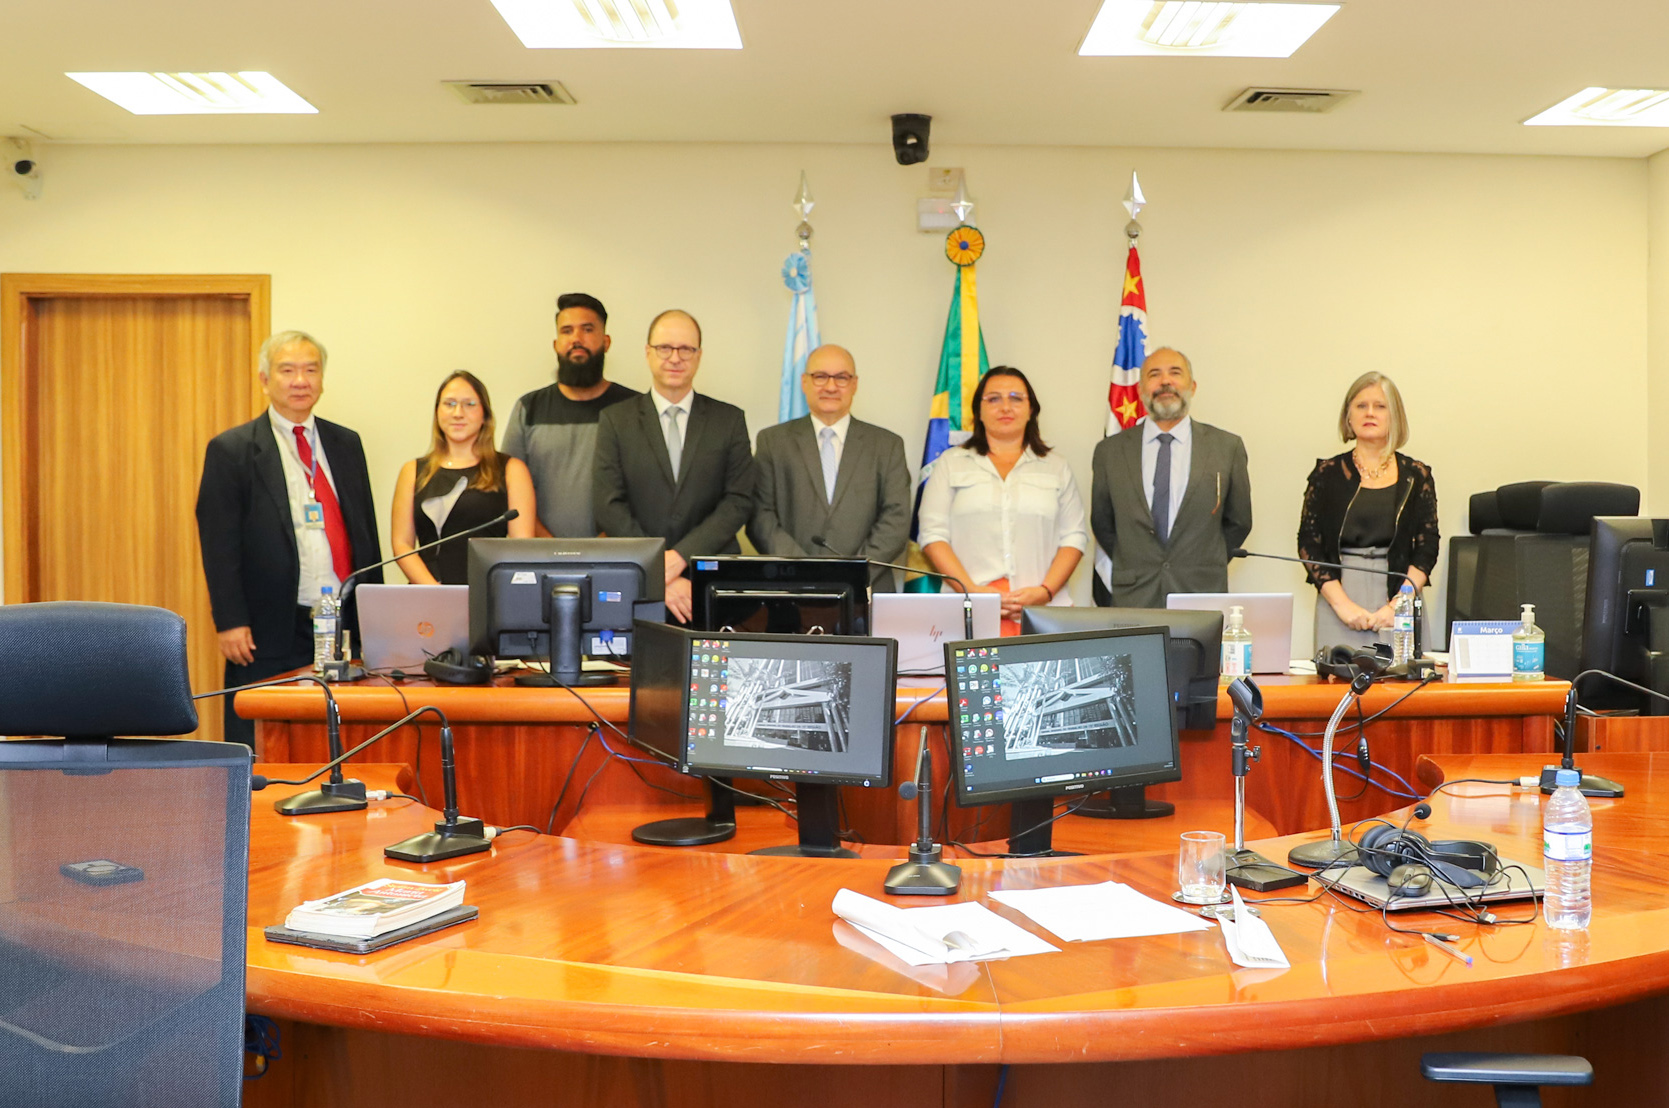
557 438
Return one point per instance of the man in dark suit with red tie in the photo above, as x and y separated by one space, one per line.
284 511
673 462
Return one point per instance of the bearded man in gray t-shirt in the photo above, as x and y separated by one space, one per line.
554 429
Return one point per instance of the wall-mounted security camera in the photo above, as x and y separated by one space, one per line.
909 137
22 167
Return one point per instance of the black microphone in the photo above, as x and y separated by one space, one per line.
967 600
926 873
452 837
337 794
338 669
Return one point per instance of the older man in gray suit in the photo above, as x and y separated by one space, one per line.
1169 497
828 484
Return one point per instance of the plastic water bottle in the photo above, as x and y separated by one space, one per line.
1568 854
1237 645
326 619
1402 626
1529 648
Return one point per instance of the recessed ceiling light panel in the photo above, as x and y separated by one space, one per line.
1608 107
1177 28
247 93
652 24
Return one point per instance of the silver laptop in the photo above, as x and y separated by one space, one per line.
923 622
1268 617
1514 881
402 626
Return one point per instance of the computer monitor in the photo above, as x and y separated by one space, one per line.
563 599
781 596
1194 652
813 710
1038 717
1625 623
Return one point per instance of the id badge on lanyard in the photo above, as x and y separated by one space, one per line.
313 515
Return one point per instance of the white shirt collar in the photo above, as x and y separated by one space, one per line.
1182 433
287 430
840 426
662 403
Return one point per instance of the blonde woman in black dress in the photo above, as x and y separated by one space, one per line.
462 481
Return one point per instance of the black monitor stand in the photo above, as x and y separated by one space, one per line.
716 826
1127 802
819 820
1031 830
566 627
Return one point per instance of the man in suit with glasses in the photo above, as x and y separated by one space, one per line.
674 463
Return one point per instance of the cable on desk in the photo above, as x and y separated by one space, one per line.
1376 717
590 733
1057 817
1409 794
417 771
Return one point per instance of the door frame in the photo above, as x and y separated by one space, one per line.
18 291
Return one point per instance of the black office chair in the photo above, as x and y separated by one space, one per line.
1517 1078
124 868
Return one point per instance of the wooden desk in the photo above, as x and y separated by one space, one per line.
516 747
653 977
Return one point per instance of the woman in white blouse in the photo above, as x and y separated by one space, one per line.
1002 514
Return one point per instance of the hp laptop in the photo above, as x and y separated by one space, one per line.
402 626
1268 617
923 622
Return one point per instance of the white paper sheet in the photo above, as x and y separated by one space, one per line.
915 936
1109 910
1251 944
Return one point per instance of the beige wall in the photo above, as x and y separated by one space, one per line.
1657 335
1480 283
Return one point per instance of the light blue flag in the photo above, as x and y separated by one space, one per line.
802 336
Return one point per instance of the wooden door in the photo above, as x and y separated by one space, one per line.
111 388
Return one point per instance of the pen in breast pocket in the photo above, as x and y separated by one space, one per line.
1219 503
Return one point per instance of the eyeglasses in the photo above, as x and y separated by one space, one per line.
998 399
666 353
839 380
453 405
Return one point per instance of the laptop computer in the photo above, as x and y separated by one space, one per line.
1268 617
402 626
923 622
1514 881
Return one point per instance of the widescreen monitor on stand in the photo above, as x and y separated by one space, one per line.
813 711
1625 626
1040 717
563 600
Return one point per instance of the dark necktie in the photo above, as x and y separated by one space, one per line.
341 551
1162 489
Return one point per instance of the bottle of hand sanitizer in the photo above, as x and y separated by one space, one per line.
1529 649
1237 645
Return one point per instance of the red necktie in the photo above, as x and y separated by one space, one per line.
341 551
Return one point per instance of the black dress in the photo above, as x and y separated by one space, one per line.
468 507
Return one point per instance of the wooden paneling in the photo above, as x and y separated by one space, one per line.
1620 734
112 387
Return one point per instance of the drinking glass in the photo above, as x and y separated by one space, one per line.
1200 867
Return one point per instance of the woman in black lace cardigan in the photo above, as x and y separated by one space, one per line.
1372 508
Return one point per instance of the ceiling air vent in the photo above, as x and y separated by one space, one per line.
1313 100
511 92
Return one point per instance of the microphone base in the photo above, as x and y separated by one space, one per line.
690 831
333 796
338 672
1250 870
550 681
1126 803
454 840
1322 855
923 875
1592 785
799 850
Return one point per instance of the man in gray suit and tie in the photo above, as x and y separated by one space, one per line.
1169 497
827 484
674 463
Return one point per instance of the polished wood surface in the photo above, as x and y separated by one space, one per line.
611 949
110 389
518 748
1622 734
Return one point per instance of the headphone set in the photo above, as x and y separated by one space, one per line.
453 667
1348 663
1411 863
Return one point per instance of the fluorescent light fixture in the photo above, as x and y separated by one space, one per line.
1608 107
248 93
652 24
1176 28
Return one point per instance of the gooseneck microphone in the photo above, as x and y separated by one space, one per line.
926 873
337 794
338 669
967 600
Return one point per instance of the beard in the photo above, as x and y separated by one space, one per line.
1168 405
580 374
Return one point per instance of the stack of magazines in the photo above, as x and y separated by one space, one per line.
375 908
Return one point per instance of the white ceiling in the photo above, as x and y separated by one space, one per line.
1435 75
